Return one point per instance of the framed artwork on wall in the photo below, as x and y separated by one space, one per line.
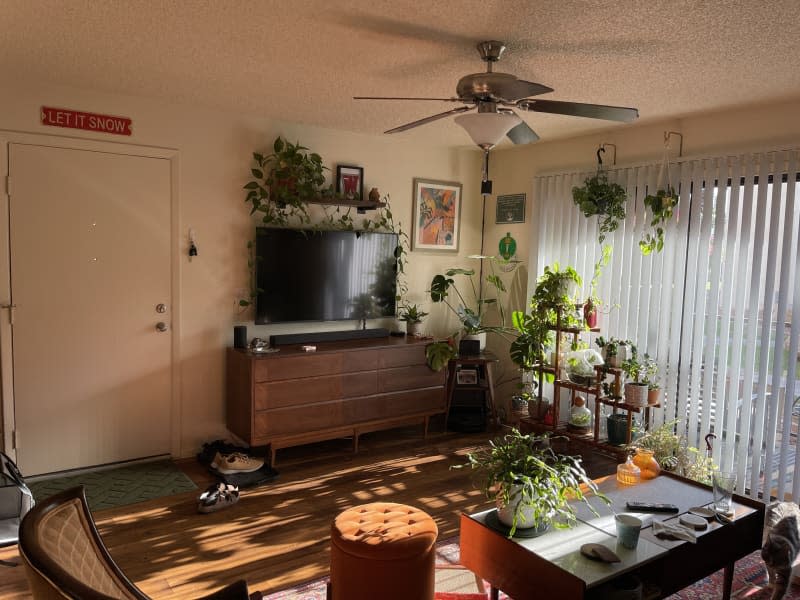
350 182
437 215
510 209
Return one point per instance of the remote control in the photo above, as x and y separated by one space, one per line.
652 507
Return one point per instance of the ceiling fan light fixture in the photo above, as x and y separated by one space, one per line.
487 129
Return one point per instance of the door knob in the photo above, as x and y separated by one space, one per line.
161 308
161 326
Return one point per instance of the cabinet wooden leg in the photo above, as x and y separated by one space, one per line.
451 384
492 404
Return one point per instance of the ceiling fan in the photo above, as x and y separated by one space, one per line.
495 95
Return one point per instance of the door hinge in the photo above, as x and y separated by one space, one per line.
14 439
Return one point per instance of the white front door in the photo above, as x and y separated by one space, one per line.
90 267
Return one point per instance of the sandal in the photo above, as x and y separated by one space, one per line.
216 497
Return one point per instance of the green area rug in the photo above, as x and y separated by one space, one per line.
120 486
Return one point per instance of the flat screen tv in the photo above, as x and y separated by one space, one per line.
306 275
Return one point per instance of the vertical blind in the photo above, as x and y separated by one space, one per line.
718 308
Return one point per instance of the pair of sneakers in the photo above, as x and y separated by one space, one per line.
236 462
217 497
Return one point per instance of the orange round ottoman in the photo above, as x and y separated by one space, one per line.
383 550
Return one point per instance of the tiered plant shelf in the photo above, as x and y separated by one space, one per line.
594 392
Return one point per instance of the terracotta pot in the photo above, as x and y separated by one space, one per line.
654 396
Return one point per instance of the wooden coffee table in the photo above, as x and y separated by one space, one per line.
551 565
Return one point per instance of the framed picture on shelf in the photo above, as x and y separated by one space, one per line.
467 377
350 182
437 215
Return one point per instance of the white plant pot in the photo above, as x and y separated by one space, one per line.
636 394
505 513
481 337
413 328
616 360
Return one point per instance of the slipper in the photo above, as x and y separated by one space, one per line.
217 497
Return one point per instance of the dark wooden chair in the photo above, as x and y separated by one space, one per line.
64 555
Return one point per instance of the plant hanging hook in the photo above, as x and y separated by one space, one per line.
603 146
666 141
600 158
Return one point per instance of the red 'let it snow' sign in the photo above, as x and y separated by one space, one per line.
74 119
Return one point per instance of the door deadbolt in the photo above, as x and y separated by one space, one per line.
161 326
161 308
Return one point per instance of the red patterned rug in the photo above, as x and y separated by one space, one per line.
749 582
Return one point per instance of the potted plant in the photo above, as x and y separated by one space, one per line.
599 197
412 315
635 387
284 181
617 427
534 334
438 354
530 483
591 308
650 377
673 453
662 207
471 309
613 350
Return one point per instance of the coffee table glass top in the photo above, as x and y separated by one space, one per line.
562 548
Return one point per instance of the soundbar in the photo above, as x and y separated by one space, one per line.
326 336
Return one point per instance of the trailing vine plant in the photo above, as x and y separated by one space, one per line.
661 206
598 196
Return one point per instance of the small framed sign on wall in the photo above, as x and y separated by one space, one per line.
510 209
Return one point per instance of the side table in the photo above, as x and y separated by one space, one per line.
482 363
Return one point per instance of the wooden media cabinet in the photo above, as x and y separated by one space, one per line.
343 389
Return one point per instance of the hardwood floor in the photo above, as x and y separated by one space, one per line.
277 535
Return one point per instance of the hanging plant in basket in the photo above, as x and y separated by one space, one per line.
598 196
662 207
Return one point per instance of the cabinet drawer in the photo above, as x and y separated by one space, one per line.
401 357
396 404
311 390
325 415
313 365
302 419
408 378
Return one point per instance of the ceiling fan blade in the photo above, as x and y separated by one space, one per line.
522 134
579 109
524 89
399 98
430 119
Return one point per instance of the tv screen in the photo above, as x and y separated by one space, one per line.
306 275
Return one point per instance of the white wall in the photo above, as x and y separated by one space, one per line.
512 169
215 150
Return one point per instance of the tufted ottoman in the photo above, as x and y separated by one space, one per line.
383 550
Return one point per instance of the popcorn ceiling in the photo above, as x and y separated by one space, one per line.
303 61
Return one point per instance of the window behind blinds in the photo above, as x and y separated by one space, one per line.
718 308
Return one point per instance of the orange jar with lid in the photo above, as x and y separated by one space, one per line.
628 473
647 463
